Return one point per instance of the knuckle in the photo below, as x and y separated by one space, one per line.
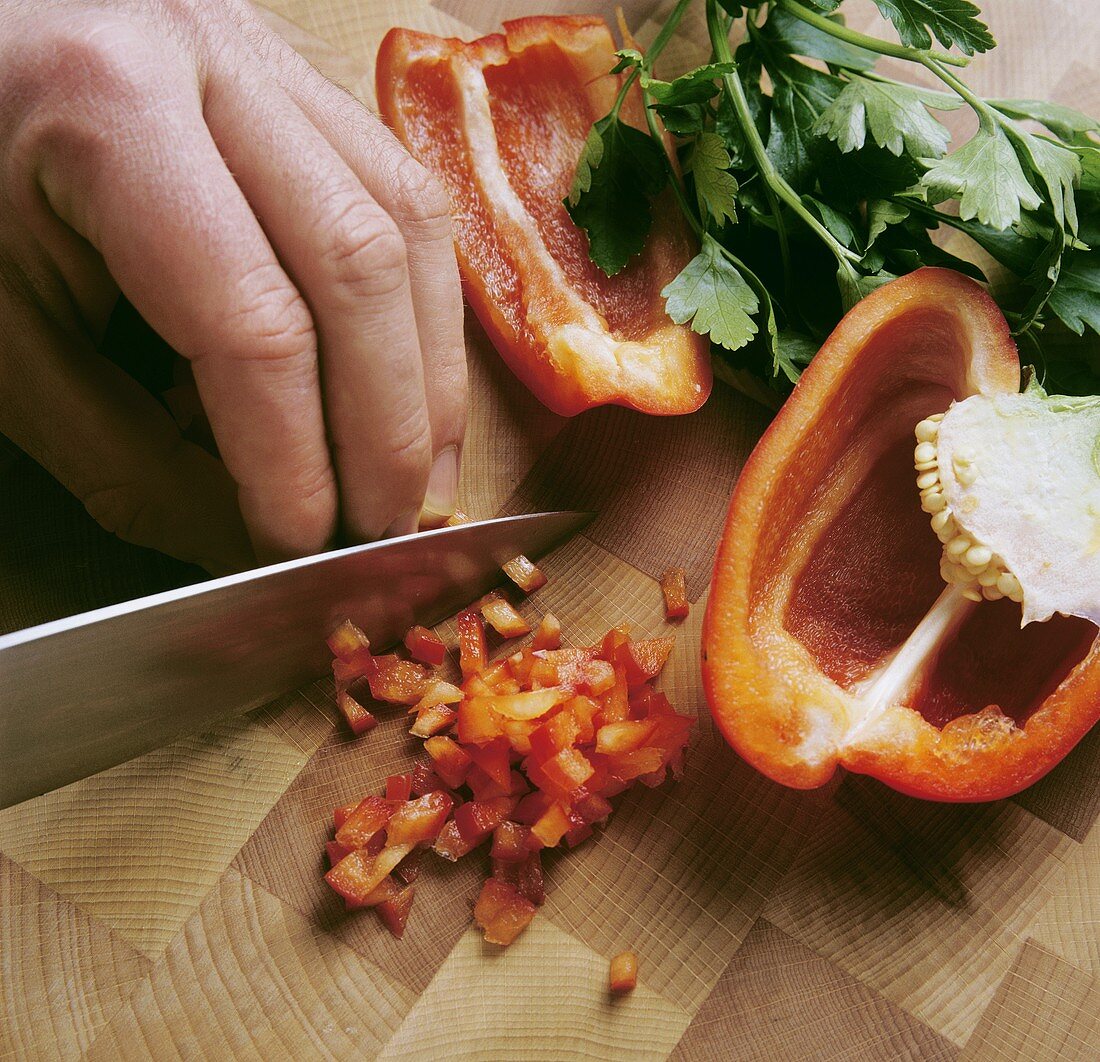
367 252
272 321
419 199
126 509
107 58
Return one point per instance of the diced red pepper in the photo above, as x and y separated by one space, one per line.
430 721
518 732
397 681
531 808
394 911
340 814
399 787
425 646
642 661
358 718
347 641
424 779
501 912
437 692
408 870
583 709
357 875
458 517
559 732
616 701
623 972
478 724
510 842
476 819
674 589
551 827
473 650
370 816
482 787
531 704
526 575
548 635
624 736
568 770
335 852
451 761
502 616
630 765
386 889
419 820
590 807
493 759
450 844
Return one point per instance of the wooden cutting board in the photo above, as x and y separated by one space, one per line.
172 907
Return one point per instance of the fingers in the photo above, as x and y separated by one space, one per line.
348 259
416 202
109 442
183 243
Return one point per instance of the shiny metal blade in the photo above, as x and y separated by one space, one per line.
82 694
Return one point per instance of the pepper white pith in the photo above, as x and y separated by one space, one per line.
1012 485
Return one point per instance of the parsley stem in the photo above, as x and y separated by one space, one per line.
651 54
862 40
657 133
735 92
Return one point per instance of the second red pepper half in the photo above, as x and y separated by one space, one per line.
501 121
830 636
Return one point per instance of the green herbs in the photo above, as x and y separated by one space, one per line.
811 179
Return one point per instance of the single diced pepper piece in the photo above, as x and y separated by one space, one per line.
425 646
502 616
623 972
397 681
451 760
424 778
551 827
674 589
370 816
357 875
450 844
340 814
408 870
335 852
358 718
624 736
386 889
501 912
478 724
642 661
531 704
347 641
531 808
567 770
616 701
559 732
473 651
584 709
521 663
526 575
394 910
437 692
419 820
518 732
525 876
510 842
590 807
459 517
482 786
493 759
399 787
430 721
629 765
548 635
578 835
476 819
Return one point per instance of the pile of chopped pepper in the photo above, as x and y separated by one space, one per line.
526 753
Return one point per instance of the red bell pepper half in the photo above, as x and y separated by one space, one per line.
830 637
501 121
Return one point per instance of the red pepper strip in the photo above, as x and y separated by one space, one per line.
674 589
425 646
827 566
501 121
623 973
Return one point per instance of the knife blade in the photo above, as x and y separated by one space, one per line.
81 694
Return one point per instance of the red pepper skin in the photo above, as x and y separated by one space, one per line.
501 121
785 642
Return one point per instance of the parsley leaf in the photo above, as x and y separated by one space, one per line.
895 114
697 86
715 187
1058 168
711 294
1076 297
950 21
881 214
986 177
801 95
783 30
619 171
1063 122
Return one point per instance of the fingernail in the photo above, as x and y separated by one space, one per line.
406 524
442 484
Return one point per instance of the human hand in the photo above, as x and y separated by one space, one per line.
272 231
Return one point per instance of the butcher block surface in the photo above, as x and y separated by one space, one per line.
174 907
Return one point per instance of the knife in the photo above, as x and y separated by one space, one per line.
82 694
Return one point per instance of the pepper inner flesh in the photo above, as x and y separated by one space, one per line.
873 575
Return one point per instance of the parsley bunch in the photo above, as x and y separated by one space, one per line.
810 185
